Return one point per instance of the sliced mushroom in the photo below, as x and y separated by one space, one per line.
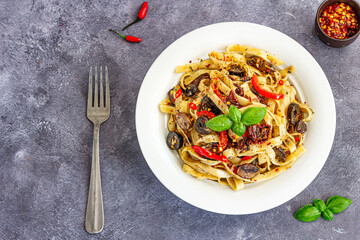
280 154
261 64
301 127
183 120
247 170
294 113
200 125
174 140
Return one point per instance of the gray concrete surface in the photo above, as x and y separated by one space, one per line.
45 145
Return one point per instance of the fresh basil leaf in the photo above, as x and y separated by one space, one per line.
337 203
307 213
235 114
253 115
239 128
319 204
219 123
327 214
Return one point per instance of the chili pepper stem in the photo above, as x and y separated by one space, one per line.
124 37
137 19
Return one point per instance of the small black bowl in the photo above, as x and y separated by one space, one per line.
333 42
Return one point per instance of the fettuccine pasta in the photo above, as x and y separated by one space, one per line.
245 77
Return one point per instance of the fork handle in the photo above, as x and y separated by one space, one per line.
94 219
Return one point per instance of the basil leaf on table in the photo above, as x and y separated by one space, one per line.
235 114
307 213
219 123
239 128
319 204
337 204
253 115
327 214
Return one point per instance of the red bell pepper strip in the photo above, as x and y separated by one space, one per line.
263 92
210 115
208 154
127 37
223 141
141 15
246 158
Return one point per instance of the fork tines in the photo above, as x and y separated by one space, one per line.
97 100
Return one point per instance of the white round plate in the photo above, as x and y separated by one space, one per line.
309 80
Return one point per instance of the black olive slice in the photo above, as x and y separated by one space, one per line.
174 140
191 90
200 125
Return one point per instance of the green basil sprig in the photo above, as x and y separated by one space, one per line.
334 204
236 120
220 123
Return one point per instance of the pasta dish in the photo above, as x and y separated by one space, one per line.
235 118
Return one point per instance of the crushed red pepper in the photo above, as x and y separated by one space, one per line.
339 21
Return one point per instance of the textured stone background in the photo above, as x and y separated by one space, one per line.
45 148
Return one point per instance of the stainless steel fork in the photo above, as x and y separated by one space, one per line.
97 113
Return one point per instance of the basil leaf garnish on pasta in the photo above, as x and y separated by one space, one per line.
235 114
239 128
220 123
253 115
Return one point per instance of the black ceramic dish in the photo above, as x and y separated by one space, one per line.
333 42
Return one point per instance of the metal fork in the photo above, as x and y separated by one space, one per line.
97 113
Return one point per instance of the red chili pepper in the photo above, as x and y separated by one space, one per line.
263 92
297 139
206 153
178 93
246 158
127 37
281 82
217 91
210 115
223 141
192 106
141 15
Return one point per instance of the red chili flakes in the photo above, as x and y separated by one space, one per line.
297 139
192 106
339 21
178 93
207 65
281 82
190 61
276 170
